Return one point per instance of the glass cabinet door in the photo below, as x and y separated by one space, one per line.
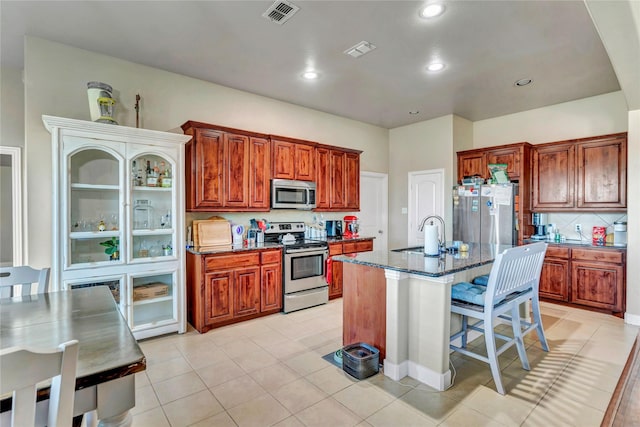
93 223
152 207
153 301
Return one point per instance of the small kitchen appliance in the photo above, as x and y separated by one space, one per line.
292 194
334 228
351 226
620 233
539 221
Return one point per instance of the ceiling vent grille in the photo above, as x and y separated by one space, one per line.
280 11
360 49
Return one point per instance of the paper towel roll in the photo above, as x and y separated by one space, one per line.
431 244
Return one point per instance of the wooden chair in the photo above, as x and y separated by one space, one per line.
22 369
25 276
514 279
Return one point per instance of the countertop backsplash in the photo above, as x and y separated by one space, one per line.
565 222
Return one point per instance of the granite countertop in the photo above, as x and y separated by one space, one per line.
578 243
346 240
415 262
204 250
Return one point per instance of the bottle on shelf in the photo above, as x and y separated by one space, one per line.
152 178
167 178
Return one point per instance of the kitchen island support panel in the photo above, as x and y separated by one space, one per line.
366 296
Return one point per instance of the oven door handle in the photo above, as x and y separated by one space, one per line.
300 251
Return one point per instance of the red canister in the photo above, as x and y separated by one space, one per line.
599 235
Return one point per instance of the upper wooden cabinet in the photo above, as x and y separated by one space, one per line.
226 169
337 179
582 174
476 162
293 159
602 172
553 176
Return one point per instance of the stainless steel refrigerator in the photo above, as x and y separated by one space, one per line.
485 213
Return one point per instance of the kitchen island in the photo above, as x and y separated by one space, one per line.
399 301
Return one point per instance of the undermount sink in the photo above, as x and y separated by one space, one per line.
419 250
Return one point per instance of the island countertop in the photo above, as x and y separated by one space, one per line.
413 261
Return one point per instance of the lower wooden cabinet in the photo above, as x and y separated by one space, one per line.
585 277
555 276
229 288
340 248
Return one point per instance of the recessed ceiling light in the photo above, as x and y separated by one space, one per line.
523 82
310 75
432 10
435 66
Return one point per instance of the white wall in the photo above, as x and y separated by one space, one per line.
55 84
598 115
633 229
12 107
420 146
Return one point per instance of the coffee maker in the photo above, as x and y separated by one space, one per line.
334 228
539 221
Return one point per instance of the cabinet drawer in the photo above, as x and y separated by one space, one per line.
362 246
218 262
335 249
598 255
557 252
271 257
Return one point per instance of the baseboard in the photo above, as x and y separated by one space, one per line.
622 386
632 319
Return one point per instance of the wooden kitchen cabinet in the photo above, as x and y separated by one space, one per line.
271 281
580 174
340 248
337 179
602 172
555 276
293 159
226 169
472 164
585 277
477 161
597 278
232 287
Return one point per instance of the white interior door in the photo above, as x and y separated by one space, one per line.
426 197
374 203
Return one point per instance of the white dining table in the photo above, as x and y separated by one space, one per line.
109 355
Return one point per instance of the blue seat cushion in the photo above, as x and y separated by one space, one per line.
468 292
481 280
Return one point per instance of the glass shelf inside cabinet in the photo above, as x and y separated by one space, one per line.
153 299
94 218
91 248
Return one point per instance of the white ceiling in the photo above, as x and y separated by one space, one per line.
487 46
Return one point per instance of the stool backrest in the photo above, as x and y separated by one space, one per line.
515 270
24 276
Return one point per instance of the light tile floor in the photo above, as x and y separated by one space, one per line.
270 372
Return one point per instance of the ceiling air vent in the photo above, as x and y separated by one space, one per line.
360 49
280 11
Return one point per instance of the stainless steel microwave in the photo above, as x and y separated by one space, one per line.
288 194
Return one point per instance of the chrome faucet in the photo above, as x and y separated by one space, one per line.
443 242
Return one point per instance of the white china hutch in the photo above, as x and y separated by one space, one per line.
118 218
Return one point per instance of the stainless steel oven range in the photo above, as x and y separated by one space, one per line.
304 264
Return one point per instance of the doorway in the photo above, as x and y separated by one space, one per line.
10 206
374 207
426 197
